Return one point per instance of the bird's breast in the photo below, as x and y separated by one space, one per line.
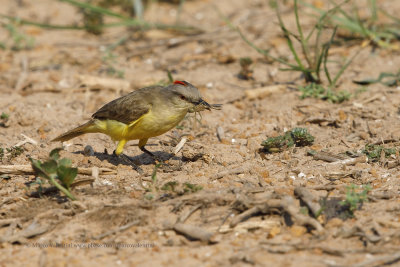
156 122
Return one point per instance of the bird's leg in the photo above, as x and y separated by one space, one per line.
150 154
125 158
142 143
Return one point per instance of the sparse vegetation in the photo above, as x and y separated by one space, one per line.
17 40
219 188
365 28
385 78
93 19
374 152
170 188
318 91
4 117
312 58
10 153
355 198
295 137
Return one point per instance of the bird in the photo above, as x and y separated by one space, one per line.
142 114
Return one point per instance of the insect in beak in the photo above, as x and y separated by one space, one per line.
202 105
205 104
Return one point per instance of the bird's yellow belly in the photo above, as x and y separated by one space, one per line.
149 125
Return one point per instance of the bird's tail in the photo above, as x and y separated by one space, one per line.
89 127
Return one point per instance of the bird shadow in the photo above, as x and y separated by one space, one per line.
138 160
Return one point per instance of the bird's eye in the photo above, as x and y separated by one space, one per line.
183 97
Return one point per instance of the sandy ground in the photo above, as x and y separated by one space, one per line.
47 90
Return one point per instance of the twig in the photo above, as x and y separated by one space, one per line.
289 207
27 169
119 229
245 216
228 172
380 261
32 230
326 156
220 133
385 141
23 74
26 140
187 214
264 91
194 232
104 83
6 222
308 198
286 204
351 161
180 145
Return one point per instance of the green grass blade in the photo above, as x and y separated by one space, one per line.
303 40
326 53
131 22
42 25
94 8
342 69
287 34
251 44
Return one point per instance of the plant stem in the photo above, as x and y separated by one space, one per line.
62 188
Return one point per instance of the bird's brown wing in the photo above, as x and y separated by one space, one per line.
128 108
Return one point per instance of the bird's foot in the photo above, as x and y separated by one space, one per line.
129 161
153 156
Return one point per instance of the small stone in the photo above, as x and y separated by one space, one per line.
88 151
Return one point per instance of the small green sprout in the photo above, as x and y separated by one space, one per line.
4 119
170 186
318 91
246 73
4 116
374 152
355 199
191 188
10 152
56 171
297 136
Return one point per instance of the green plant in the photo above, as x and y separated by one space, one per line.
367 28
318 91
297 136
56 171
354 199
246 73
10 152
374 152
383 79
4 116
191 188
18 39
312 58
14 152
94 20
168 188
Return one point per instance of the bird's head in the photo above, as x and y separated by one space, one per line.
185 95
